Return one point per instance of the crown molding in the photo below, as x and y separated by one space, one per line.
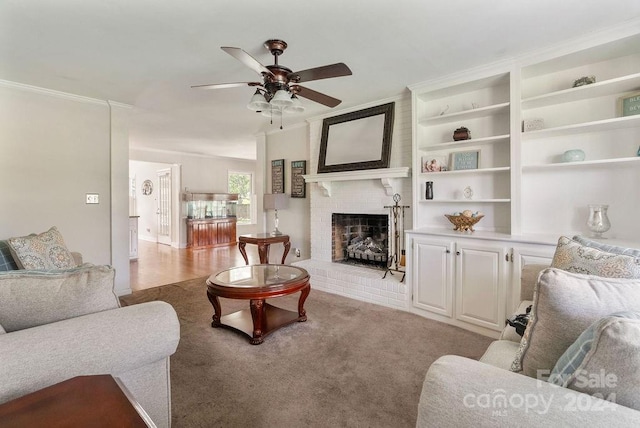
176 152
375 103
52 93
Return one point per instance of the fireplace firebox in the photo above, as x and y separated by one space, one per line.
360 239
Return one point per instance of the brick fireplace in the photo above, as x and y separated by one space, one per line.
358 192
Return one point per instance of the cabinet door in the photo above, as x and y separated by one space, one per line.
526 255
432 275
480 278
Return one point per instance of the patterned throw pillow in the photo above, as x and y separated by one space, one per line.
571 256
603 360
6 259
44 251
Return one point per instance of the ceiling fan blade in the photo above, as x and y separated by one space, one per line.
226 85
318 97
247 60
325 72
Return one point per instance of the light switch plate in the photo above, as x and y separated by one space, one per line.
93 198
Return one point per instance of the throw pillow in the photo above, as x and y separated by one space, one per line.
607 248
6 259
574 257
33 298
564 305
44 251
603 361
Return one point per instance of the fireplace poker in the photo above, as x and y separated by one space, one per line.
394 211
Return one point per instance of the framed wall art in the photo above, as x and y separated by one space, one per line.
298 185
277 176
357 140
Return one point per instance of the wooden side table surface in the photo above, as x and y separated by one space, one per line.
263 241
83 401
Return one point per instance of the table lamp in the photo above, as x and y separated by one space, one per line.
275 201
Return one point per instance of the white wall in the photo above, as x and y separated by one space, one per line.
199 174
54 149
290 144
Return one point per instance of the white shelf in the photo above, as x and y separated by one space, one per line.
599 162
467 171
466 114
462 143
463 201
594 90
599 125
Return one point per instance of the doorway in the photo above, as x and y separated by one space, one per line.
164 207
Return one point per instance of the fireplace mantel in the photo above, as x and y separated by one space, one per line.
389 178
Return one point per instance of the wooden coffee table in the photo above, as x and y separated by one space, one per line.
83 401
257 283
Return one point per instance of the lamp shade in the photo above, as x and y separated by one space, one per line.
281 99
275 201
258 102
296 106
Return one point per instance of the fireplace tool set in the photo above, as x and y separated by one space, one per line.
396 261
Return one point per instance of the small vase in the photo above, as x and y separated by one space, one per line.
429 190
598 222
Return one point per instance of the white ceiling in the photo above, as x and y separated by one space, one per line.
148 53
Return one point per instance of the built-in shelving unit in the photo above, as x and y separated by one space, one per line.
528 194
586 118
483 106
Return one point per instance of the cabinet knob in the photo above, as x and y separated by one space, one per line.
448 251
457 253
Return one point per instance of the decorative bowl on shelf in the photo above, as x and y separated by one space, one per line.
575 155
463 223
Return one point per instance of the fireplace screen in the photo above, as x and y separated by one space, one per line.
361 239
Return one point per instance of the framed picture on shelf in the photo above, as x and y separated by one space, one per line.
469 159
435 163
629 104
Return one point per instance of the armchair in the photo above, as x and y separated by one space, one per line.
55 325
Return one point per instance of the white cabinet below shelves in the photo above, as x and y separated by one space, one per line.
461 281
469 282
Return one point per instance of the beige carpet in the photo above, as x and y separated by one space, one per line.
352 364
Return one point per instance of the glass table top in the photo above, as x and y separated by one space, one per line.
257 276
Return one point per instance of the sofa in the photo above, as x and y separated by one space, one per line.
57 324
500 390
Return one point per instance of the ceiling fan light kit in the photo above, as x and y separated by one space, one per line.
278 92
258 102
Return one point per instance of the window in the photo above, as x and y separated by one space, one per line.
242 184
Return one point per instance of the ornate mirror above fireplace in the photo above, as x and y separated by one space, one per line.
357 140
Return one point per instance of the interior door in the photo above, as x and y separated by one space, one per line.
164 206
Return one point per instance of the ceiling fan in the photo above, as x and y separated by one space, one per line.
278 92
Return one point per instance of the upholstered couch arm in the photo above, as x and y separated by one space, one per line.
114 341
459 392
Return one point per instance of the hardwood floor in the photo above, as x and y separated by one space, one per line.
159 264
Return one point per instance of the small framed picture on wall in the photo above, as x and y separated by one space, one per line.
277 176
298 185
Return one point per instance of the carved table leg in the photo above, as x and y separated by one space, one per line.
243 251
257 314
217 311
287 245
263 252
303 296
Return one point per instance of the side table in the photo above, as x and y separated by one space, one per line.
96 401
263 241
